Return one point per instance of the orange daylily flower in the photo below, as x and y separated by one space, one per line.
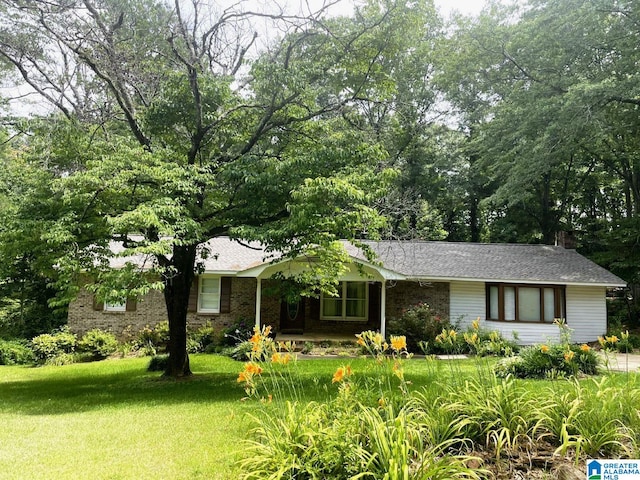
341 374
544 348
568 356
252 368
584 347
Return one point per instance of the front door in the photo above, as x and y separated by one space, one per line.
292 316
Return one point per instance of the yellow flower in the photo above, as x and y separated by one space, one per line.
452 333
544 348
612 339
276 357
242 377
568 356
476 324
286 358
584 347
398 342
601 341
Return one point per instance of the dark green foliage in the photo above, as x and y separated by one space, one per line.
54 348
98 343
15 352
237 332
151 340
199 340
418 324
241 351
158 363
544 361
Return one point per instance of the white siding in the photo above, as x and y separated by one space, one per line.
586 314
467 302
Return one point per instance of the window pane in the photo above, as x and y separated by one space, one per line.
549 304
356 308
332 307
529 304
209 285
356 290
493 303
209 295
509 303
115 306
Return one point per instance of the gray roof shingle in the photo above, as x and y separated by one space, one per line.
435 260
485 261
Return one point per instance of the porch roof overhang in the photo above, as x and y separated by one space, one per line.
358 270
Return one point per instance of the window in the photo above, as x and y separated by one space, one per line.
115 306
525 303
351 303
209 295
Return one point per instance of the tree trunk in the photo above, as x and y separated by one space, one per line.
176 296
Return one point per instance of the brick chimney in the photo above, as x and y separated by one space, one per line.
566 239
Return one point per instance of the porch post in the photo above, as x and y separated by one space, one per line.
258 300
383 309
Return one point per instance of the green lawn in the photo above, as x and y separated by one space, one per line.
114 420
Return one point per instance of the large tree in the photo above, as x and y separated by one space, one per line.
181 133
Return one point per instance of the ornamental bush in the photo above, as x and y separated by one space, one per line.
15 352
98 344
48 346
418 324
544 361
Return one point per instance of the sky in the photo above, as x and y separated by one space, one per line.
468 7
446 7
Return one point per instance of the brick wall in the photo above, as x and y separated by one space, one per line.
406 294
84 316
150 310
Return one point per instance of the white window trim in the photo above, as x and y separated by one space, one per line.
200 294
343 296
115 307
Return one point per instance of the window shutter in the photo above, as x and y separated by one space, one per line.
374 303
225 295
131 305
193 296
314 308
97 304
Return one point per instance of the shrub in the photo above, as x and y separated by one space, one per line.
238 332
241 351
200 340
98 344
15 352
543 361
418 324
151 340
158 363
48 346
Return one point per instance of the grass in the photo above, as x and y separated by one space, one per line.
114 420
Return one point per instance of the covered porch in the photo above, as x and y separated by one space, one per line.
360 304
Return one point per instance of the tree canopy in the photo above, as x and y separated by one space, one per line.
175 122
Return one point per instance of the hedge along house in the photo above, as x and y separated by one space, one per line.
510 287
